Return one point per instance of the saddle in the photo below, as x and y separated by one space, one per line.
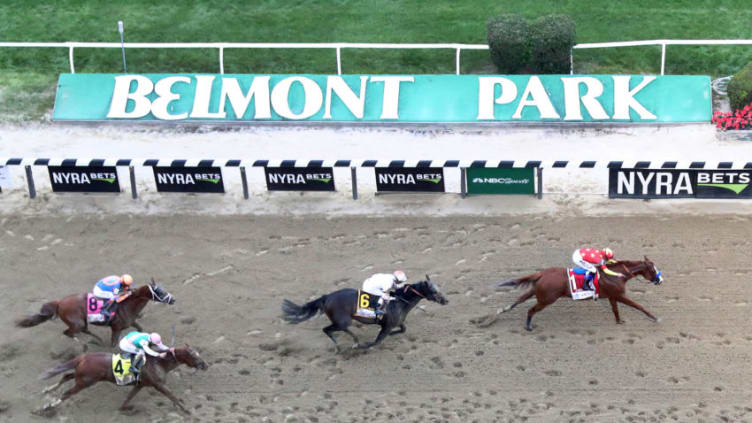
366 304
122 368
577 281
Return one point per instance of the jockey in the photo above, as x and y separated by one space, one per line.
380 284
112 289
139 344
591 259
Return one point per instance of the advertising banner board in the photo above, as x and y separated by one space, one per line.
299 178
382 98
489 180
421 179
680 183
84 179
189 179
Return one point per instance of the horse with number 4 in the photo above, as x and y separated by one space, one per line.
78 311
555 282
342 308
89 369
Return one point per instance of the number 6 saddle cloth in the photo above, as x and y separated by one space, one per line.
366 304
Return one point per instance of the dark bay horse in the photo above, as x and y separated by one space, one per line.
552 283
72 311
92 368
340 306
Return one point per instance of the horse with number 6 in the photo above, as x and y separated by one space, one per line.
552 283
341 307
74 310
89 369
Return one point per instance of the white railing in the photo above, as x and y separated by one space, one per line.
71 45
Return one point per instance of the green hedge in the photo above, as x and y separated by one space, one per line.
542 46
509 43
740 88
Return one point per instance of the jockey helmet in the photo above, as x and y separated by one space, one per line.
609 253
126 279
154 338
400 276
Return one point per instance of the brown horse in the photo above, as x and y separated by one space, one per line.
552 283
96 367
72 311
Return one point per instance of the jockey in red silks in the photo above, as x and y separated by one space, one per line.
591 259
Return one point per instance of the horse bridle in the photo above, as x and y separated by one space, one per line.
165 299
415 291
631 274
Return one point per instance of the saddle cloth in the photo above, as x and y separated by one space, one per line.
577 281
94 309
121 369
366 304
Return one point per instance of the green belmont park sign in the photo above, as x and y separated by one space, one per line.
382 98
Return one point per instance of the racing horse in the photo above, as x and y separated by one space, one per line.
552 283
72 311
92 368
341 306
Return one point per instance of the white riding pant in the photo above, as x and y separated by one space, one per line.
102 294
381 294
579 261
126 346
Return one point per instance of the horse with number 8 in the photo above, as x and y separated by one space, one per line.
72 310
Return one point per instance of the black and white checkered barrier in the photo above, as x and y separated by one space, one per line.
317 175
585 164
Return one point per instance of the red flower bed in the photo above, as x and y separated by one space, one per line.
741 119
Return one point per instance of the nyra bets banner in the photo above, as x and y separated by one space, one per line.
382 98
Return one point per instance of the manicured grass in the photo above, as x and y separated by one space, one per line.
26 73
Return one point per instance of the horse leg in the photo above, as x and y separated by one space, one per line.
329 330
524 297
131 394
534 309
164 391
115 335
100 341
633 304
80 384
71 333
64 379
615 309
355 338
382 334
402 329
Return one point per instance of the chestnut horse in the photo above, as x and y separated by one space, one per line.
91 368
552 283
72 311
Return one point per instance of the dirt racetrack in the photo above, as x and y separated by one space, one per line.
230 274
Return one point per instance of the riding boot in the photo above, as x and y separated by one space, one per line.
106 310
379 313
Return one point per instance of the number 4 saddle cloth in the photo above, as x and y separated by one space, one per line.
577 284
121 369
366 304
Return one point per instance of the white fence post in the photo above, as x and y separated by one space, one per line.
70 59
339 61
663 57
458 60
221 60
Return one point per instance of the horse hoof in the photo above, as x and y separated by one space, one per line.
657 320
529 329
355 346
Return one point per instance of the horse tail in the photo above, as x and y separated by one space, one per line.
525 280
295 314
47 312
61 368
